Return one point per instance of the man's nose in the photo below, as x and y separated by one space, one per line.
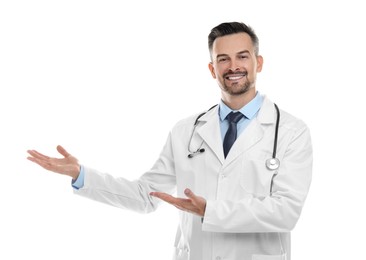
234 66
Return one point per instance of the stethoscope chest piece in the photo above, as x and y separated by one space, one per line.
272 163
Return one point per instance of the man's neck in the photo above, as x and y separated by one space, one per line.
236 102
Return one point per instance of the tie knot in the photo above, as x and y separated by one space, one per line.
234 117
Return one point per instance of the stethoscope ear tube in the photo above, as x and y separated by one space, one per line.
199 150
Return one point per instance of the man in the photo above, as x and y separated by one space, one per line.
232 204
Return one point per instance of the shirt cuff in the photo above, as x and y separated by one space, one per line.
79 182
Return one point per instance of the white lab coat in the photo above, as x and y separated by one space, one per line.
243 219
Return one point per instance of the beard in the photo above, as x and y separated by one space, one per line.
236 88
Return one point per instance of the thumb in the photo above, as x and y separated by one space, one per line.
189 194
62 151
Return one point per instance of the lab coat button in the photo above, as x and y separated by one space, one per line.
218 258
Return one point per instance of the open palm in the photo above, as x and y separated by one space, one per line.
68 165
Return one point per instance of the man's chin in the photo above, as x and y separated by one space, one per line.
237 90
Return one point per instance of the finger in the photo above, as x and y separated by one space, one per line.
33 159
164 196
38 155
62 151
40 162
178 202
190 194
49 165
198 202
182 204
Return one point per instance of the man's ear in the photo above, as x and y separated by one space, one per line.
212 70
259 63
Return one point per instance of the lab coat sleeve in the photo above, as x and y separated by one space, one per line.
276 212
133 195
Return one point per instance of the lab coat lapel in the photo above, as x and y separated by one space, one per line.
210 132
254 131
211 135
251 135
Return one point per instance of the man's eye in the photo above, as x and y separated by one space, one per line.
243 57
222 60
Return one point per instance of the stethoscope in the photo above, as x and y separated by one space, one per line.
271 163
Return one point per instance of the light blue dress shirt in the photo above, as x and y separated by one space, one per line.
79 182
249 111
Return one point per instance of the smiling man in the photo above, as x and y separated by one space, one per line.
235 64
241 184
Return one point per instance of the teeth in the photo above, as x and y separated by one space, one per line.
235 78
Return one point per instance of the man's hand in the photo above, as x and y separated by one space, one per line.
68 165
194 204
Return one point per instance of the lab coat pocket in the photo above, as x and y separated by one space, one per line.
269 257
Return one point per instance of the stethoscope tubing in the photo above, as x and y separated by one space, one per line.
272 163
276 132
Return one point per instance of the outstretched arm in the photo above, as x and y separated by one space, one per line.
68 165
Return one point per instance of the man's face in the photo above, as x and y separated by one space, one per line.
234 63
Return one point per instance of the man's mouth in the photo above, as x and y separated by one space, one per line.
235 76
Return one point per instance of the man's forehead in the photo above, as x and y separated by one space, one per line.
233 43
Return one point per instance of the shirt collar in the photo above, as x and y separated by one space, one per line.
249 110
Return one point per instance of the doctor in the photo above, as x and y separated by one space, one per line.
232 206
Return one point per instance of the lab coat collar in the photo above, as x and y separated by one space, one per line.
267 113
210 131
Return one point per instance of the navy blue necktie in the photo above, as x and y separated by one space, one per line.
231 133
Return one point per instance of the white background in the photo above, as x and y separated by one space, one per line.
77 73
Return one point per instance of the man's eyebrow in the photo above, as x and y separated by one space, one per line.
221 55
226 55
242 52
